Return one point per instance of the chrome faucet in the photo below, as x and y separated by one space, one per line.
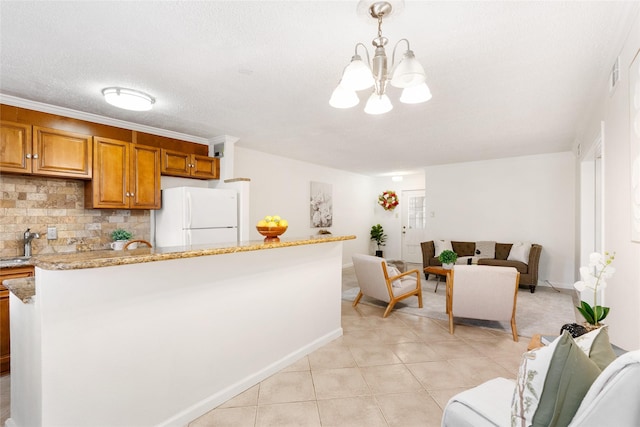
28 237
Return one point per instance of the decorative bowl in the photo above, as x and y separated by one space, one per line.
271 233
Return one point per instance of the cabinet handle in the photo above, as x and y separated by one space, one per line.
28 156
132 194
35 156
128 195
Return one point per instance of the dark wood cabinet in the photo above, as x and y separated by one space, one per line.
5 339
125 176
43 151
176 163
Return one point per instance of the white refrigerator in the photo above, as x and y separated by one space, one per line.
194 216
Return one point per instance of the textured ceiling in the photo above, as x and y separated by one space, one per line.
508 78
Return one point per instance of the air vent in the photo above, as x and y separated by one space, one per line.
615 75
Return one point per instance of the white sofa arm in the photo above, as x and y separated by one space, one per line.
487 405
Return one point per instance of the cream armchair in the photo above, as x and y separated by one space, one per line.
483 292
374 281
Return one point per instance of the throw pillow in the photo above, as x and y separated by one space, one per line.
485 249
393 271
520 252
569 377
530 382
597 346
442 245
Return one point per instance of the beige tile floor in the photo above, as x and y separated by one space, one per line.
398 371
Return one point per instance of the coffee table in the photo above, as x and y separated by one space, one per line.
438 271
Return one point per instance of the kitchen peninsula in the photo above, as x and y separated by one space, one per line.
161 336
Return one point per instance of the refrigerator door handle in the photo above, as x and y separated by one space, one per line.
189 237
188 218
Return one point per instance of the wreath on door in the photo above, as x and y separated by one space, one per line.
388 200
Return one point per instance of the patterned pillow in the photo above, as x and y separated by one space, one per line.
530 382
393 271
553 380
485 249
442 245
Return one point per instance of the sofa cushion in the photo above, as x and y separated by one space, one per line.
502 250
568 380
520 266
442 245
464 248
520 252
485 249
597 346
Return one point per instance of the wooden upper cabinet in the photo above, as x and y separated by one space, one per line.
125 176
205 167
44 151
144 181
15 147
60 153
176 163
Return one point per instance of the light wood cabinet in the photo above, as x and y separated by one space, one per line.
125 176
5 339
176 163
43 151
15 147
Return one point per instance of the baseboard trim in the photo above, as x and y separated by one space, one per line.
197 410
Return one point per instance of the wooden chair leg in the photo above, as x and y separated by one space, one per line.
389 308
450 322
357 300
419 294
514 330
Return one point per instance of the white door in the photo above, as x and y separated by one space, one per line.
413 224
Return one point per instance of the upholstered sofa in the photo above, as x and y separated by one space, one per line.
467 250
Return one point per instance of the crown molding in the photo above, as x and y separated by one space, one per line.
95 118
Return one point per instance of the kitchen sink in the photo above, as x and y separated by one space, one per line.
15 261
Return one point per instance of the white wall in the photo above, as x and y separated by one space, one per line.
280 186
623 290
527 198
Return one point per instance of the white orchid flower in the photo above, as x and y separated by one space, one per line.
579 286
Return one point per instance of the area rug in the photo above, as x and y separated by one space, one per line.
543 312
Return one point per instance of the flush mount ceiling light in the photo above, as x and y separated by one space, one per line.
129 99
408 74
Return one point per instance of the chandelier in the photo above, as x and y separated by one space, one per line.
408 74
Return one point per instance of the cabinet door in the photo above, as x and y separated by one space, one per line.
205 167
144 177
61 153
109 186
15 147
175 163
5 339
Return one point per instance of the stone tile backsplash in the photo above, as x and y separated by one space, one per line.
40 202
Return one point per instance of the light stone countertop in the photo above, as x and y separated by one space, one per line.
107 258
24 288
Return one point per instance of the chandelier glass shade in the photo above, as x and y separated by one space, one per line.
408 74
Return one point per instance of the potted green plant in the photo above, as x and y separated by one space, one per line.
594 278
447 258
378 236
120 238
